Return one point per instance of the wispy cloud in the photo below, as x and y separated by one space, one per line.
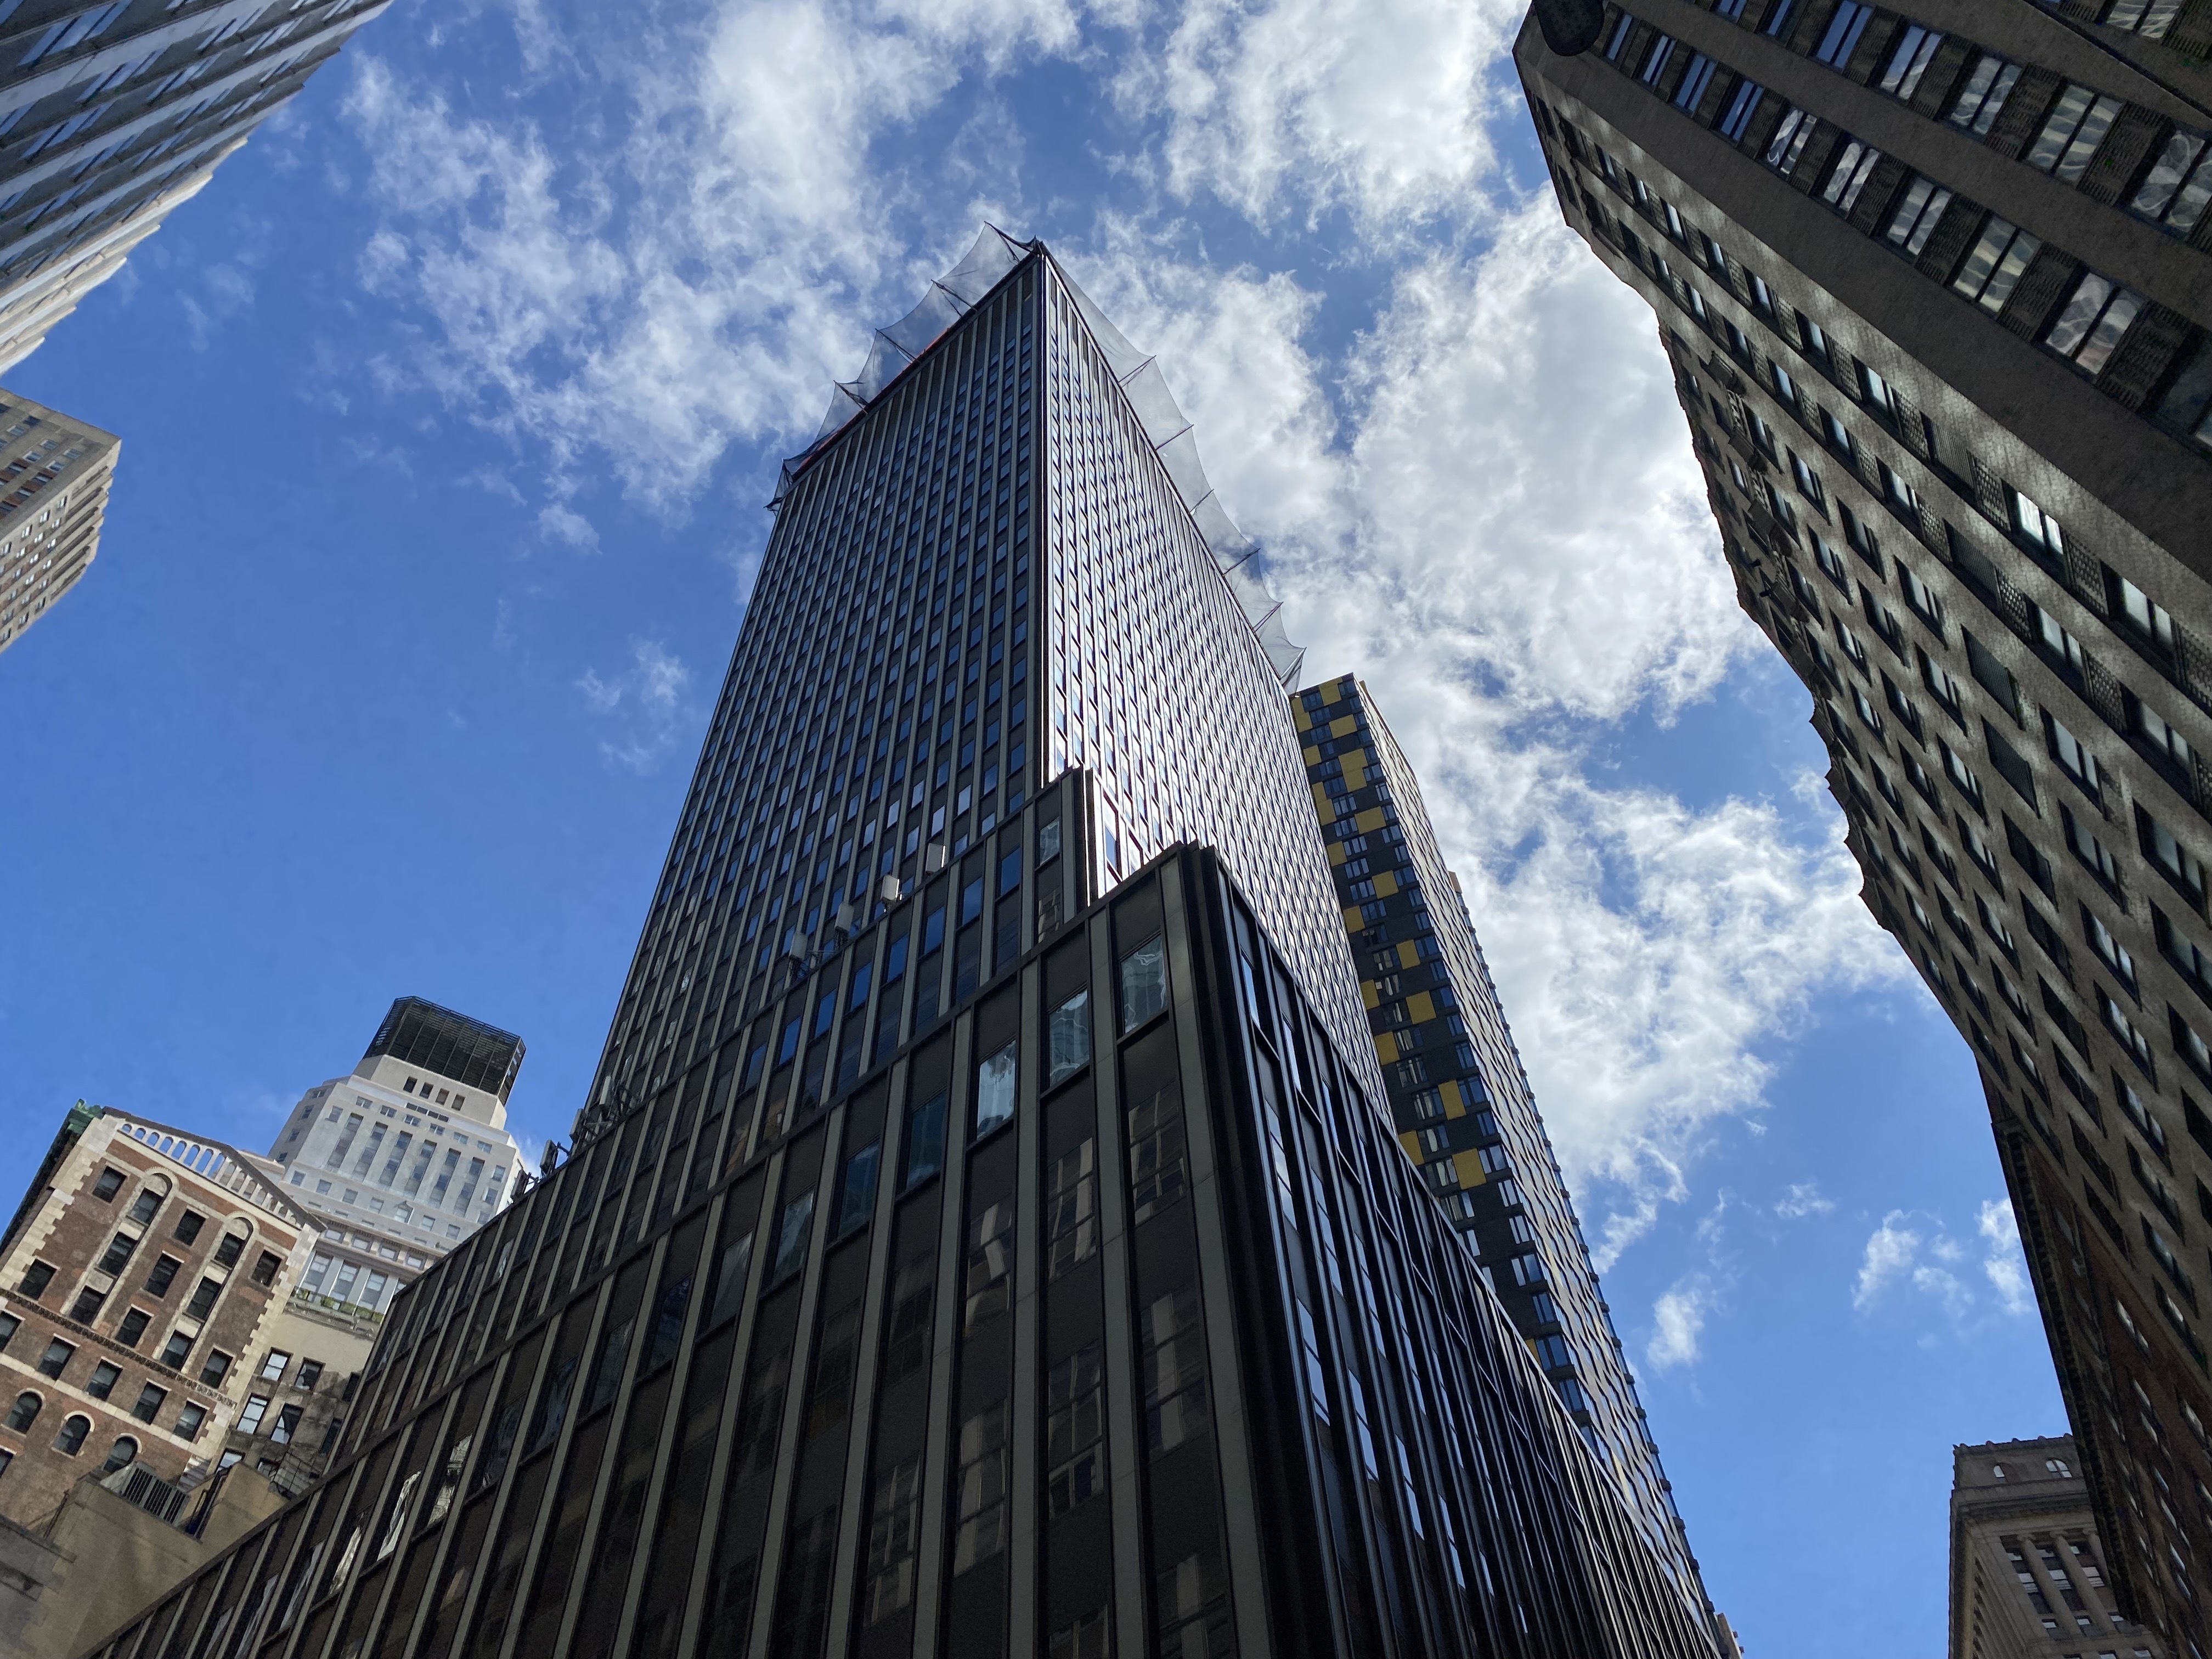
643 701
1803 1199
1678 1321
1914 1253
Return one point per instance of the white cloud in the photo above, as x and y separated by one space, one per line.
1678 1320
1377 107
1802 1199
1890 1249
1916 1251
647 696
2006 1264
565 525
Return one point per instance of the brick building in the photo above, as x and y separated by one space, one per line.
141 1269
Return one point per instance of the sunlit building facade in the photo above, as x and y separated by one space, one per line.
985 1236
1933 289
55 474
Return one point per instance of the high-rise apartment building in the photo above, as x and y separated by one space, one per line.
2027 1574
140 1270
1458 1097
54 478
403 1158
1934 290
114 111
985 1236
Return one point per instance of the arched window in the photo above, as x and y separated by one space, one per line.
25 1411
1998 1470
2057 1467
233 1245
70 1440
150 1199
125 1450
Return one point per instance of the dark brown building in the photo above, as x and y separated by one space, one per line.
1934 289
142 1268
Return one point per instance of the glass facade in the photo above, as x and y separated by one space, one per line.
465 1051
1462 1104
982 1238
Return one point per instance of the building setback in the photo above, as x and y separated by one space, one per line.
1935 291
141 1268
114 111
54 473
2028 1579
1458 1098
984 1235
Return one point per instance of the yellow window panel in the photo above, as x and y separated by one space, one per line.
1351 923
1370 819
1411 1140
1469 1165
1330 694
1336 852
1321 797
1386 1047
1373 997
1298 714
1313 757
1345 727
1454 1102
1409 954
1354 776
1421 1005
1385 885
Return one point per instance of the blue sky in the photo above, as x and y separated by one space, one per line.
448 411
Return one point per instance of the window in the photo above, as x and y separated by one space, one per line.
2176 862
791 1238
56 1358
1068 1045
216 1368
105 1376
265 1266
1790 139
1143 983
227 1253
2113 954
24 1413
188 1419
70 1440
123 1453
856 1200
311 1372
1918 212
924 1151
2072 131
150 1403
1075 1431
188 1227
2150 622
1909 60
272 1368
36 1278
1854 166
1987 85
1844 30
980 1489
2117 1022
1962 775
249 1419
132 1328
1993 269
146 1206
2076 762
2180 183
2090 328
1657 58
109 1184
994 1091
1695 80
1742 104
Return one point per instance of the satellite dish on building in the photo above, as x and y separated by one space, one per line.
1570 26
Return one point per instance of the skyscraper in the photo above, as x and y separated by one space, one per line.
2027 1579
404 1157
54 478
984 1235
1933 291
114 111
1459 1099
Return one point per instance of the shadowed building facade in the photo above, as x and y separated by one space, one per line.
985 1236
1934 290
1458 1098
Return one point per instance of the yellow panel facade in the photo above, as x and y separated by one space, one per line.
1336 854
1409 954
1411 1140
1386 883
1370 819
1454 1102
1369 993
1386 1047
1421 1005
1469 1166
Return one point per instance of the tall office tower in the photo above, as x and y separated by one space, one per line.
1020 1263
404 1158
1458 1098
2028 1572
54 478
114 111
141 1268
1935 292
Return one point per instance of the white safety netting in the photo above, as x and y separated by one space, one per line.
1166 427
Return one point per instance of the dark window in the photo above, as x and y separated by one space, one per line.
109 1184
56 1358
149 1202
132 1328
36 1278
188 1227
227 1253
164 1275
924 1140
265 1266
150 1403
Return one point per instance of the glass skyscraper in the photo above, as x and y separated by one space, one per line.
985 1236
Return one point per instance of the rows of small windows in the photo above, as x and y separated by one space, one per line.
89 1308
827 597
2146 355
2146 626
2117 150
